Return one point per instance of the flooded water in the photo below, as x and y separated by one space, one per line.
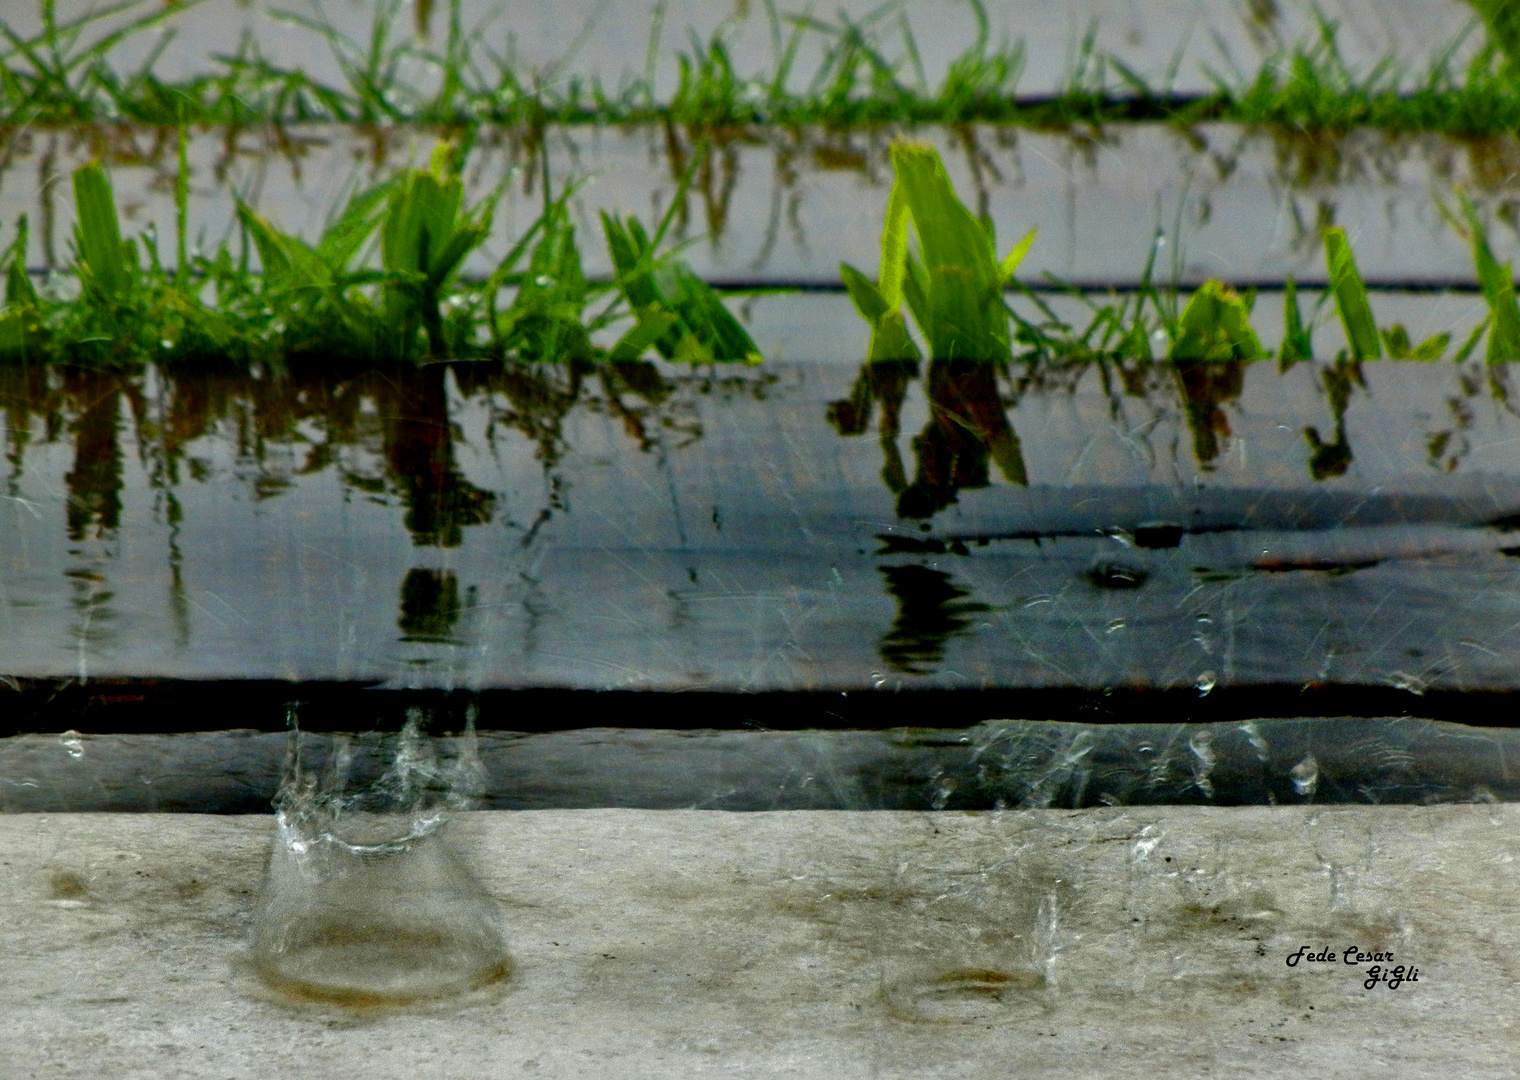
776 206
800 526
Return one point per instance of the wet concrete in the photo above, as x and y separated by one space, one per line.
1114 942
770 205
638 527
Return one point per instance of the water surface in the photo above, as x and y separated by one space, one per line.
803 525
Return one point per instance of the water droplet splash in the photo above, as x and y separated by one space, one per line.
943 789
1202 746
365 902
1305 776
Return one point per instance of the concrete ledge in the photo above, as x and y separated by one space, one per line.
1111 942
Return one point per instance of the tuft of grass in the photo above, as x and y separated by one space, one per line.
380 285
1215 327
951 279
869 71
954 286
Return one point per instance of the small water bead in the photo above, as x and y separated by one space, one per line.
72 742
1305 776
942 793
1116 624
1205 683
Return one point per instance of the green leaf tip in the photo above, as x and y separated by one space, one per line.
954 288
1498 284
1215 327
106 261
1351 297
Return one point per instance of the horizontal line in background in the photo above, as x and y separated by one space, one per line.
148 705
1388 285
1080 285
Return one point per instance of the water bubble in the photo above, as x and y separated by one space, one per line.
1205 683
1202 746
71 741
1254 736
942 792
1116 624
1305 776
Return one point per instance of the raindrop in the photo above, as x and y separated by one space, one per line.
71 742
1202 746
1254 736
942 793
1117 624
1147 843
1206 683
1305 776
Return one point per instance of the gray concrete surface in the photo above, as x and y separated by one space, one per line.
1112 942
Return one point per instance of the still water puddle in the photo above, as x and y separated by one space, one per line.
792 527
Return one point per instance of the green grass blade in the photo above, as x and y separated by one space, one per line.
102 252
1351 297
894 249
19 292
712 334
866 297
1296 343
966 318
350 230
642 336
1432 348
1215 328
1498 283
1011 261
288 262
